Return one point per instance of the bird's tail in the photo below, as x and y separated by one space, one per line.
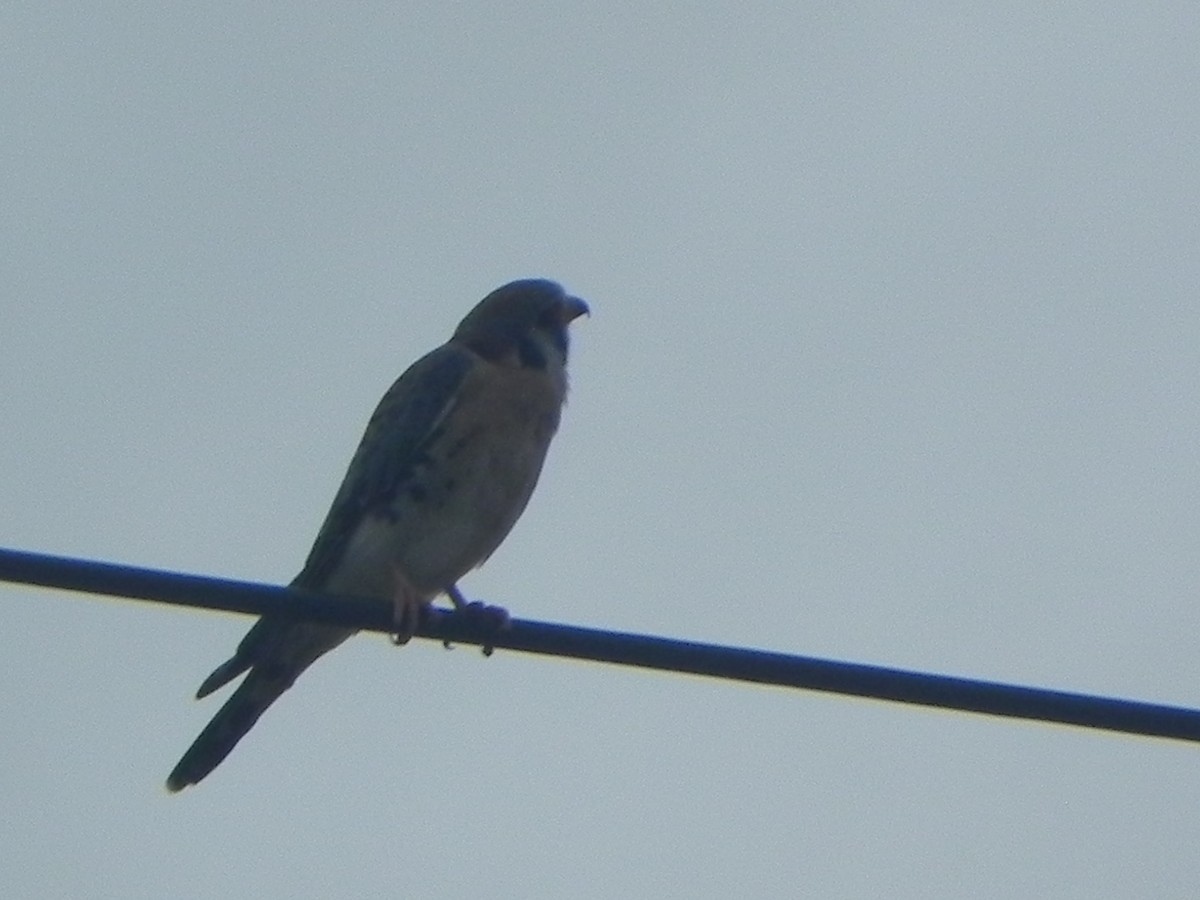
259 690
275 652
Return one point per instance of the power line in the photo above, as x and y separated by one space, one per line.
735 663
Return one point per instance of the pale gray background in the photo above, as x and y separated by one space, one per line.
893 358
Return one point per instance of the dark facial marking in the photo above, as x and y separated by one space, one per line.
530 353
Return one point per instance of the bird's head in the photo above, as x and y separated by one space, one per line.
524 323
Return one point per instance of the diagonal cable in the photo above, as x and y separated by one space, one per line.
666 654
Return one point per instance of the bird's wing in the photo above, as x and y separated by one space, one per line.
408 418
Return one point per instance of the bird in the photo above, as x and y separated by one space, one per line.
445 467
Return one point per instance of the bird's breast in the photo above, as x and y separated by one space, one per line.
473 482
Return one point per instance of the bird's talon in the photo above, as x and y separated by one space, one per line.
485 615
479 614
403 634
407 619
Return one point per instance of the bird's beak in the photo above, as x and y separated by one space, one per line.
572 308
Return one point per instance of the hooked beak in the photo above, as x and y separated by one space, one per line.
572 308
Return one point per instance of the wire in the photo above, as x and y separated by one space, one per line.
735 663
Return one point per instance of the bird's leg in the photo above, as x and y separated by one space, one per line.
456 597
493 618
477 611
408 606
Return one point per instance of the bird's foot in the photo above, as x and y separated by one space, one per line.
478 614
408 609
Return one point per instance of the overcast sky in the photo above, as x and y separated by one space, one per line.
893 358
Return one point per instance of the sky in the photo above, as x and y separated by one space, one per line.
892 359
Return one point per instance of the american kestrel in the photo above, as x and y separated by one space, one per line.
445 468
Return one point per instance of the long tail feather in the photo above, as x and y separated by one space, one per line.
223 674
228 726
275 652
